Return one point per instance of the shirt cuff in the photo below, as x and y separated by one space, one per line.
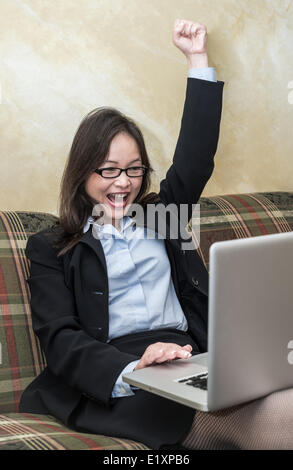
122 389
205 73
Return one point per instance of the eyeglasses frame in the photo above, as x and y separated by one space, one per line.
100 170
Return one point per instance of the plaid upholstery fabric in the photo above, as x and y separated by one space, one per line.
21 359
42 432
21 356
241 216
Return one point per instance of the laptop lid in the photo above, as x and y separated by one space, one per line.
250 318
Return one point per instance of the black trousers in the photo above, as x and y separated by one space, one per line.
145 417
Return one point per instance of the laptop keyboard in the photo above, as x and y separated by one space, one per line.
198 381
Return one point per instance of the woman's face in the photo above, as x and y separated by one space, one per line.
123 153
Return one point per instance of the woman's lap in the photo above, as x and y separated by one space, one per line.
266 423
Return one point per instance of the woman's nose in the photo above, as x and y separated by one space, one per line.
123 179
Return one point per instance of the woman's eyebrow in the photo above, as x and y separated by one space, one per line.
132 161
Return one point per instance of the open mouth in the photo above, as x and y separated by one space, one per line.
118 199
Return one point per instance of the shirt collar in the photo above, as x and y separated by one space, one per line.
108 230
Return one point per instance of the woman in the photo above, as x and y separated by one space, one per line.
105 297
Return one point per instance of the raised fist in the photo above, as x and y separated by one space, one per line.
190 37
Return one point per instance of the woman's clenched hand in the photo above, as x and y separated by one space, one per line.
191 38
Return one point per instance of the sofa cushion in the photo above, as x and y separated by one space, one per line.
241 216
24 431
21 357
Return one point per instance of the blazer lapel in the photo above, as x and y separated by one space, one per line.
95 245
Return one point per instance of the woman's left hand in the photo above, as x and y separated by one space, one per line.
190 37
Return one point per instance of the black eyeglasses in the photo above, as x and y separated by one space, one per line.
132 172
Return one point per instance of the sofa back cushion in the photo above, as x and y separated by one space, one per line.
20 356
241 216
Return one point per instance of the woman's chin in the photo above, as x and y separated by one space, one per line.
110 212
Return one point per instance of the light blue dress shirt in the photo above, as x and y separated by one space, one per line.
141 291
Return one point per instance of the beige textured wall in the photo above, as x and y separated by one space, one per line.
60 59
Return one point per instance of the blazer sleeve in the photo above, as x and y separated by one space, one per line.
193 160
78 359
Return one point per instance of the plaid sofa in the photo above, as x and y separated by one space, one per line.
21 359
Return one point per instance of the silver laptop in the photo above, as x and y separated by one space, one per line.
250 330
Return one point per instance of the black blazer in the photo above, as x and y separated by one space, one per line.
71 320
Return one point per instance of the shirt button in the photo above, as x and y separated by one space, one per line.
183 252
122 390
194 282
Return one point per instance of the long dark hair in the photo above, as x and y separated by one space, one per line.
89 150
